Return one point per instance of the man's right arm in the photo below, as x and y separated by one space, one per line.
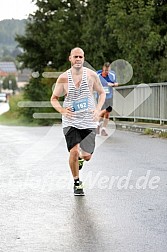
58 92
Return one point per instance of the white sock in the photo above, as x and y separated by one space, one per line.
103 128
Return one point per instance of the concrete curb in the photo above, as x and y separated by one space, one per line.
140 127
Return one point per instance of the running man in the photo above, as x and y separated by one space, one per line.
79 112
108 80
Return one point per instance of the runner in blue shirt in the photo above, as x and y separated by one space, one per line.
108 80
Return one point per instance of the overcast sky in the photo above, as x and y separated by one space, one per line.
17 9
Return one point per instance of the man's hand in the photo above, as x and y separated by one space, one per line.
110 84
67 112
96 114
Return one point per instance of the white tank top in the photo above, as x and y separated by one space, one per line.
81 101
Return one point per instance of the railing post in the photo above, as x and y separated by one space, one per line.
161 104
134 105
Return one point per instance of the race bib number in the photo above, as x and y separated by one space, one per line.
81 104
107 90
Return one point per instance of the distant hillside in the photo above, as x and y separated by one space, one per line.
8 30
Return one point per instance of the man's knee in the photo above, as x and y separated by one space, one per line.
87 157
102 113
74 153
107 115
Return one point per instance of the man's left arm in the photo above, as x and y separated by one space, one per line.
101 93
113 82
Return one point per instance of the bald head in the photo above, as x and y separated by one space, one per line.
77 50
77 58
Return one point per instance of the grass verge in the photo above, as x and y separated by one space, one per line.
162 134
13 117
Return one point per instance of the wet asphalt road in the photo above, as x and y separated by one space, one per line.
125 207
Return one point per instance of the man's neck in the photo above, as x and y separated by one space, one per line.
77 71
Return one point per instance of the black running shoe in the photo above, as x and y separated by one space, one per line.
80 161
78 189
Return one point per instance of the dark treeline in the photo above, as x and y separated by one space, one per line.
8 30
8 45
133 30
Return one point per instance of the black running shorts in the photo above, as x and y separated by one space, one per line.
84 137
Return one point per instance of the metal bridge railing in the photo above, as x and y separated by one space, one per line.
143 101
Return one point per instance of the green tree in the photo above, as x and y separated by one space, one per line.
138 36
10 83
98 42
160 20
65 32
39 90
51 32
